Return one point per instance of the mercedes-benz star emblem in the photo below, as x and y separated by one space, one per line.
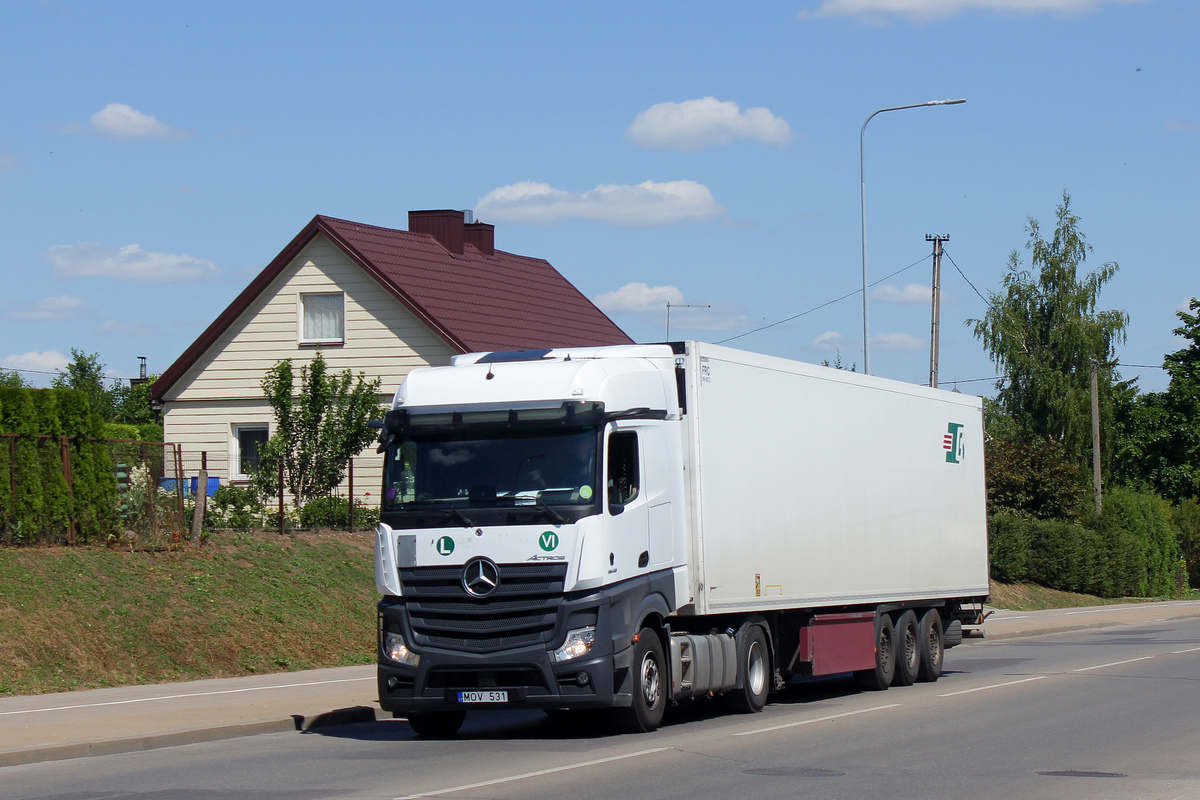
480 577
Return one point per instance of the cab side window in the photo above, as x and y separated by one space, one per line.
623 478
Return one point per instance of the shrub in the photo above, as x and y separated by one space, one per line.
1009 538
114 430
237 507
1147 517
1032 477
1187 523
334 512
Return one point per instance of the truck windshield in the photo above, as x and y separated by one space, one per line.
473 468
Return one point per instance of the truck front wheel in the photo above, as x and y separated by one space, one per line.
645 714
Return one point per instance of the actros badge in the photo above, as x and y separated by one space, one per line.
480 577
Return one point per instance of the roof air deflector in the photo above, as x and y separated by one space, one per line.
513 355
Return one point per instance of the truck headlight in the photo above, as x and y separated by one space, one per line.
579 643
395 649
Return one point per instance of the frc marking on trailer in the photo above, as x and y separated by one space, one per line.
952 443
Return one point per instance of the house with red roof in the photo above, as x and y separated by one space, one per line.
374 300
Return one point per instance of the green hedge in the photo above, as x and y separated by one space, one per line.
1130 550
40 507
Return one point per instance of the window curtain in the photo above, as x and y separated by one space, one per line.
323 316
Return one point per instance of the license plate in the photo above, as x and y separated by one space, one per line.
483 697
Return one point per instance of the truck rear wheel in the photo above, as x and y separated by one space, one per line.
436 724
929 633
880 678
908 650
645 714
754 668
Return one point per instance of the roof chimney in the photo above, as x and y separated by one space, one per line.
483 236
445 225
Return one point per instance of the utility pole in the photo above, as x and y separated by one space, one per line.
935 327
671 305
1096 434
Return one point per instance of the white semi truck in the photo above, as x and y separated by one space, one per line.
626 527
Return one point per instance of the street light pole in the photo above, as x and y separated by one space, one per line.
862 179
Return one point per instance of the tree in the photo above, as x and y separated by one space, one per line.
86 373
318 431
1042 332
131 404
1160 431
12 380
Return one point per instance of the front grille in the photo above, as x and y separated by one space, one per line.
485 679
519 613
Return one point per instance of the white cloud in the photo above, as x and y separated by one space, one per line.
903 342
49 361
645 205
8 162
1178 126
909 293
695 124
62 307
877 10
829 340
117 328
639 298
127 263
119 121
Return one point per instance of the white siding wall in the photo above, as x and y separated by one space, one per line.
224 387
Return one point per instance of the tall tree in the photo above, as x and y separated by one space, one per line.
86 373
317 430
1042 331
1160 431
12 380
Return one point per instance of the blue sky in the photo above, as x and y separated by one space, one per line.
154 156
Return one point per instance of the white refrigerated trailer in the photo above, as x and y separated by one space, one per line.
626 527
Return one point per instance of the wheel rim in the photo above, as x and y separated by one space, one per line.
650 680
885 649
935 645
756 669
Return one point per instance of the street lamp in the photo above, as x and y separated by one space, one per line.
863 187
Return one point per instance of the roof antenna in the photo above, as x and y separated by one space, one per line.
489 375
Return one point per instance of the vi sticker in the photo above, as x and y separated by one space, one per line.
548 541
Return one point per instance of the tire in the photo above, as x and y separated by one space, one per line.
436 724
929 633
754 674
880 678
645 713
908 650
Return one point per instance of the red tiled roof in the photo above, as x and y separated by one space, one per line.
474 301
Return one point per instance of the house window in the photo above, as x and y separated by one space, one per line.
323 318
248 442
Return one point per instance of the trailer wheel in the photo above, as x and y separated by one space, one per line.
754 666
880 678
436 724
908 650
649 687
933 651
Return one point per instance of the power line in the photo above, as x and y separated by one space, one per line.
965 278
823 305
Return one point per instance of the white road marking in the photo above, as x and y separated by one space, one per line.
818 719
1180 652
527 775
1002 619
178 696
1113 664
993 686
1130 607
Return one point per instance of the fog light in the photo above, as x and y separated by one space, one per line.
578 643
583 679
395 649
392 682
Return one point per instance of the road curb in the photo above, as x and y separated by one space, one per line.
1079 626
134 744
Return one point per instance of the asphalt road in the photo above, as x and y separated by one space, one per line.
1109 713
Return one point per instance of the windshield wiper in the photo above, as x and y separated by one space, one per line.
442 505
549 511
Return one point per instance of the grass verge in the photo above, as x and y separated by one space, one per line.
1031 597
84 618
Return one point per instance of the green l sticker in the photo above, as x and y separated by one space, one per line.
548 541
445 546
